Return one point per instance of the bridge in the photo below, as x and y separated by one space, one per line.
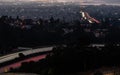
18 64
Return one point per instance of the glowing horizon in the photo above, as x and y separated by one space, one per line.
76 1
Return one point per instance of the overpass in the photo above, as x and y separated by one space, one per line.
12 56
9 57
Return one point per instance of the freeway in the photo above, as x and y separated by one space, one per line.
9 57
18 64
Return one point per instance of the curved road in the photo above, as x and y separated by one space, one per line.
9 57
18 64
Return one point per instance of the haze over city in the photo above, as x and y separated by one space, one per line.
59 37
89 1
